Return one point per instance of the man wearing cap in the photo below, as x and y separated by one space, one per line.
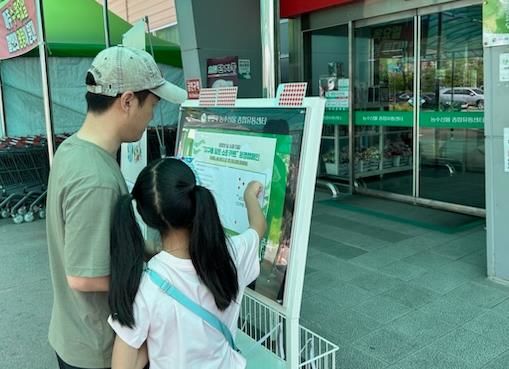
124 85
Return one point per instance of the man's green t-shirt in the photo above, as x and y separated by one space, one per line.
84 185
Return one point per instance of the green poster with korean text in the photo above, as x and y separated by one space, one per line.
228 148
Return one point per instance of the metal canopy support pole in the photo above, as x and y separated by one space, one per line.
269 25
43 56
3 126
106 19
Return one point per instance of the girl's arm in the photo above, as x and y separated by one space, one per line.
127 357
254 212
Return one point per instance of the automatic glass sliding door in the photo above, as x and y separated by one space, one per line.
327 70
451 119
383 106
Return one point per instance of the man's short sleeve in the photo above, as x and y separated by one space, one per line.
245 252
87 216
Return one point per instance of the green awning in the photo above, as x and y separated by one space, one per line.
76 28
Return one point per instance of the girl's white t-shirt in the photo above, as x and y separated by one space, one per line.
176 337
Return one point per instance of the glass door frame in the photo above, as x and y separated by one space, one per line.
416 15
421 13
404 16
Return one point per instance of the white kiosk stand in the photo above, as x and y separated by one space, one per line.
228 146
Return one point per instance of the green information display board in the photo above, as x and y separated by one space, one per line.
279 147
228 148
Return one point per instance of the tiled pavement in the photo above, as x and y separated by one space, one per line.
398 296
25 297
391 295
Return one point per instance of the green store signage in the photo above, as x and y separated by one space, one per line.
452 119
405 119
384 118
335 117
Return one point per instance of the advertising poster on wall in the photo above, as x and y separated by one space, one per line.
495 22
228 148
337 98
222 72
327 84
18 27
244 69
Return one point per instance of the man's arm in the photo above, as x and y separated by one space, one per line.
89 284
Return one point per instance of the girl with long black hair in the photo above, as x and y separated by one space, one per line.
197 258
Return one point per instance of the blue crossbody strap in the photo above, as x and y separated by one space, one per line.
206 315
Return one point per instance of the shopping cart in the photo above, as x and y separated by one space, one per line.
24 170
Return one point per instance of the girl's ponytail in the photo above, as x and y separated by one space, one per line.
127 251
209 251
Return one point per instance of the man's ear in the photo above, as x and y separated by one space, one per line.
126 100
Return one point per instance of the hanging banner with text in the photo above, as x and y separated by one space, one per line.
18 28
495 22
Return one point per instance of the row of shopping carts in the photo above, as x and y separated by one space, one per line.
24 170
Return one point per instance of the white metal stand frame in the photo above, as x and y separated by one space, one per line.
265 321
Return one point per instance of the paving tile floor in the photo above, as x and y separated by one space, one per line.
390 295
398 296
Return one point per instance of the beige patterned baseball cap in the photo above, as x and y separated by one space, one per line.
119 69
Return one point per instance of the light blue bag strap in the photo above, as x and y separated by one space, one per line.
206 315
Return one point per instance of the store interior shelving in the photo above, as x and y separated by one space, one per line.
378 150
